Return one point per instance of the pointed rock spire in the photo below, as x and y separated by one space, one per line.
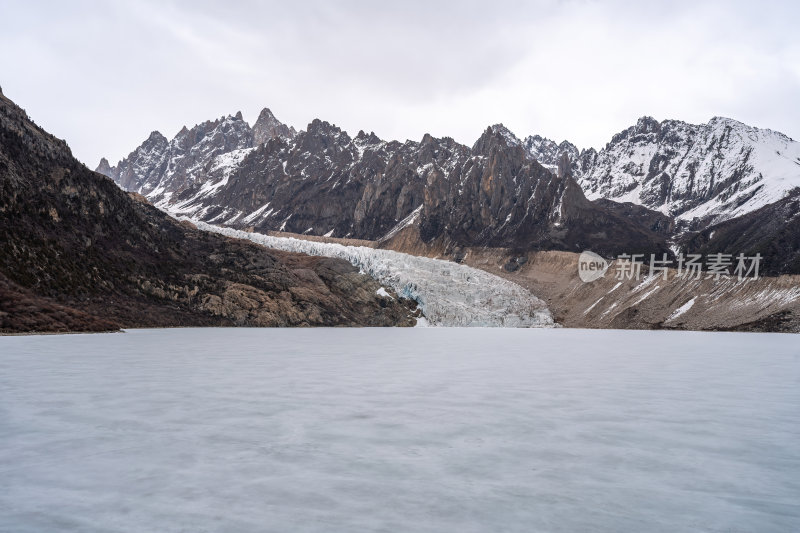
496 135
104 168
564 166
268 127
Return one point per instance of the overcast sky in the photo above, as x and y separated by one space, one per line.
103 75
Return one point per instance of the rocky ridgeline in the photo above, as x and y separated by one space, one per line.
324 182
650 189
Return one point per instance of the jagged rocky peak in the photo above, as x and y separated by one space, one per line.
156 139
754 133
321 136
540 146
644 126
232 130
211 138
104 168
197 132
365 139
547 153
647 124
495 135
168 166
268 127
725 121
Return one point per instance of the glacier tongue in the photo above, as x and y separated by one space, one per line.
448 294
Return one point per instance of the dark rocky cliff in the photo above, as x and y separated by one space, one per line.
78 253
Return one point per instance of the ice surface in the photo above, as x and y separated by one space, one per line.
419 430
448 293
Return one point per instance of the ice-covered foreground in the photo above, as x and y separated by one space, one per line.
418 430
449 294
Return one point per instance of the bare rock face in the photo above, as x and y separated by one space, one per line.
268 127
499 197
143 167
77 253
772 231
322 181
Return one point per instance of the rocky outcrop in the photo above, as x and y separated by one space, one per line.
268 127
76 252
104 167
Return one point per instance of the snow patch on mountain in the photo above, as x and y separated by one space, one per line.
681 310
406 222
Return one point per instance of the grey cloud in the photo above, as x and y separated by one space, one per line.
104 74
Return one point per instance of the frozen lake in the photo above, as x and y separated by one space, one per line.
348 430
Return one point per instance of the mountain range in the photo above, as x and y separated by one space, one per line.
655 187
79 253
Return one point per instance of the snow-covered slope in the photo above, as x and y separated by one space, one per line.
701 174
449 294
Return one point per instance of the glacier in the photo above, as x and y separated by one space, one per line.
448 294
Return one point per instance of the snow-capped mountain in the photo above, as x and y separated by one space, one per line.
321 181
700 174
207 152
503 191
